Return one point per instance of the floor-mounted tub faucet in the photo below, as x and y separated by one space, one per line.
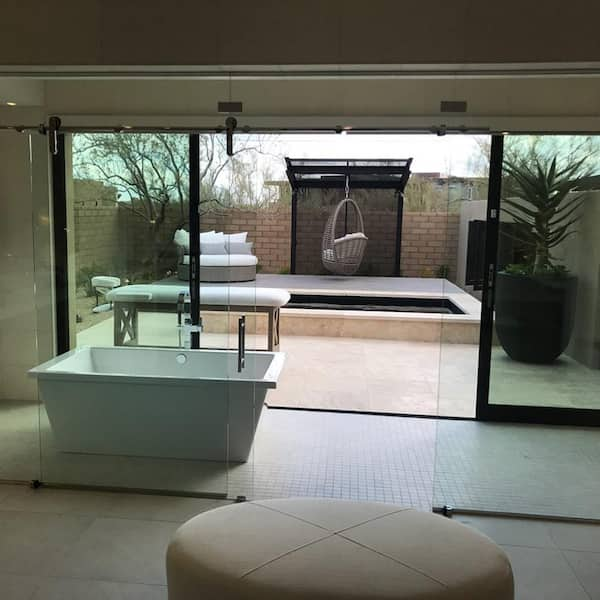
241 343
184 321
180 318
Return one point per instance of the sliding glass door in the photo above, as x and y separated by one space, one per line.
135 404
539 345
545 333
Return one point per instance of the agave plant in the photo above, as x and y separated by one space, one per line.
543 200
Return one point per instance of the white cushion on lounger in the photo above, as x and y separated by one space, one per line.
212 248
228 260
105 281
224 260
221 295
235 237
243 296
182 238
132 293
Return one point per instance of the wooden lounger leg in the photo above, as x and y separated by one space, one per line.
276 332
273 341
125 324
270 329
118 330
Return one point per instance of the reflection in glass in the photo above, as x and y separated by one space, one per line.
547 327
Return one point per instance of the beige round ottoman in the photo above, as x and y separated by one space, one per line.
313 549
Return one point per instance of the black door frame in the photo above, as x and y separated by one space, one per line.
61 251
60 241
508 412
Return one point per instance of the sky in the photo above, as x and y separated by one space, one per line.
449 155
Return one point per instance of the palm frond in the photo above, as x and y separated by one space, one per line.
539 195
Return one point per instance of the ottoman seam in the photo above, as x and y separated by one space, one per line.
293 517
281 512
399 562
395 512
276 558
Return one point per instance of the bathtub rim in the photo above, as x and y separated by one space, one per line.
269 380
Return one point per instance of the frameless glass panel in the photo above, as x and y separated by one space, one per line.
467 159
544 286
242 331
342 359
131 406
459 478
24 334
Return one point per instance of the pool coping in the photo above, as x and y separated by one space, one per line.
470 306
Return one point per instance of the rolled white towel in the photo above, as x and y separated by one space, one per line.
105 282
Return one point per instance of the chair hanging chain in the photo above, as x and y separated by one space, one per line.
347 188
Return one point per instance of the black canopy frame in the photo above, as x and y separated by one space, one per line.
365 173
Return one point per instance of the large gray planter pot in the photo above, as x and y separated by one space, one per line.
535 315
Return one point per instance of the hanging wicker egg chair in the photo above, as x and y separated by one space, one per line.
343 255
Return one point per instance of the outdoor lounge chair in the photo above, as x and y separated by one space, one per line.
234 263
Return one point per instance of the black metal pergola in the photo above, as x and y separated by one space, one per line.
366 174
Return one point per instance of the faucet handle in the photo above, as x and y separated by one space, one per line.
180 306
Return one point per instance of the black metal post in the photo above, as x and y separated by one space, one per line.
294 231
61 253
491 251
194 218
399 219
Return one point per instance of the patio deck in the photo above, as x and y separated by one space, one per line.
381 362
373 361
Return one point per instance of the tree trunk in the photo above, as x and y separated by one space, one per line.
155 236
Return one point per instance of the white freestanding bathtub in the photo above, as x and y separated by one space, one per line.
160 402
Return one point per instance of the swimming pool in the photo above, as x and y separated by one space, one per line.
374 303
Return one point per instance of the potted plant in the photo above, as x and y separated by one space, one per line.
535 299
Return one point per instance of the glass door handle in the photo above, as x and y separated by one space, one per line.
491 278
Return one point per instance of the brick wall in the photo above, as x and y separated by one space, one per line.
140 244
378 208
429 242
110 236
268 229
96 220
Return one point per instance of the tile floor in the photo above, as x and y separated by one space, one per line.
74 545
550 471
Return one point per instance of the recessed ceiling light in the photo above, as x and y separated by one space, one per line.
10 103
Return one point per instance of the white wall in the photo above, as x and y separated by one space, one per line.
469 211
581 253
418 99
512 104
26 327
18 319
